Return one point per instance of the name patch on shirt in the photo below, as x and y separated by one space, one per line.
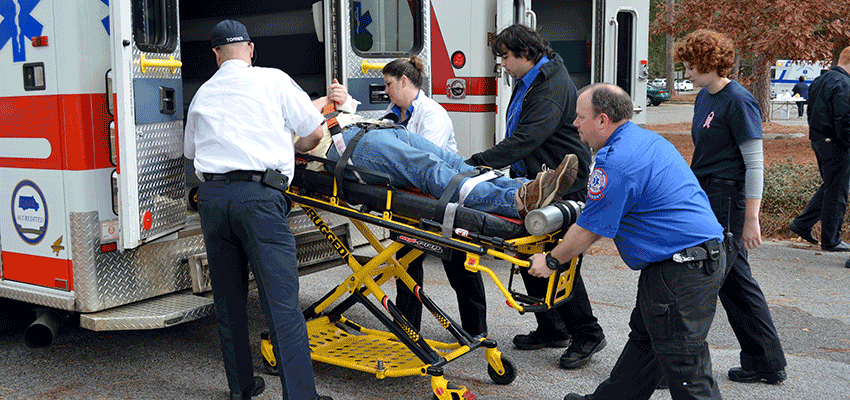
596 184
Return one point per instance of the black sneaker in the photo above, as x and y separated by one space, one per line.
535 340
739 374
580 352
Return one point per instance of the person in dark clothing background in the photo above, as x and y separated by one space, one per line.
829 130
803 90
540 132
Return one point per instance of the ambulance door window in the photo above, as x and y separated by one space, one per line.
625 50
386 28
155 25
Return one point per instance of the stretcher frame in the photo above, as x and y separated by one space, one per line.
400 350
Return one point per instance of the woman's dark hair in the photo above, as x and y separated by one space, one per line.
412 68
523 42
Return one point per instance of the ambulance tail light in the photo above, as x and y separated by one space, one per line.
115 192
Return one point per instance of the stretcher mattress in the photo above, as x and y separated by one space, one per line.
418 207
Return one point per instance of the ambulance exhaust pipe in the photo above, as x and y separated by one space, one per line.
45 327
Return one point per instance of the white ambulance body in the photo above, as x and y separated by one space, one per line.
94 94
786 73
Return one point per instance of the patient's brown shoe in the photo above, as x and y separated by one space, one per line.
547 186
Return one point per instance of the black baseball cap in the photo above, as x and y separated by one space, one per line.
228 31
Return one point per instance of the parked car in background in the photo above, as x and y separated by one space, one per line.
659 82
684 85
656 95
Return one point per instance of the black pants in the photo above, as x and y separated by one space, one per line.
244 223
669 324
468 286
740 294
574 317
830 201
800 105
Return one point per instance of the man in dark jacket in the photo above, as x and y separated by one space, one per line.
800 88
540 132
829 131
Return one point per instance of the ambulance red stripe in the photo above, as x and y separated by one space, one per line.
76 125
38 270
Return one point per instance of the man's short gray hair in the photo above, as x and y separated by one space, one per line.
611 100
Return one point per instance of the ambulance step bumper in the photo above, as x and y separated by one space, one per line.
159 312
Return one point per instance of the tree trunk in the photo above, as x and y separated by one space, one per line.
671 72
761 86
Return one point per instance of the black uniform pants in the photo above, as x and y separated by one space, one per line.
740 294
830 200
574 317
468 286
669 324
244 223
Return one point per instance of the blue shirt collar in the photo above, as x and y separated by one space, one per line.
397 110
533 72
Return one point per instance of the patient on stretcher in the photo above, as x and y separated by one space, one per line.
412 161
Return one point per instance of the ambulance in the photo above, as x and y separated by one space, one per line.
786 73
95 92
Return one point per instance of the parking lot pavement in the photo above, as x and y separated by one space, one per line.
806 289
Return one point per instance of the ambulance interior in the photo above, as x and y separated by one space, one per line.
283 33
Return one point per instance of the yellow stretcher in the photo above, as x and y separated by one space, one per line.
400 350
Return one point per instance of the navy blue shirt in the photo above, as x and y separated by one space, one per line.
722 121
642 194
515 108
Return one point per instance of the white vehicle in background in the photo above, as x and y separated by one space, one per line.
786 73
659 82
684 85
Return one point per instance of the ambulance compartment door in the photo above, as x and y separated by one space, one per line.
509 12
623 55
148 110
368 34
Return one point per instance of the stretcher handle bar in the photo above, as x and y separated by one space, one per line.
391 225
474 236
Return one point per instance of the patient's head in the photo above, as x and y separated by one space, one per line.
403 79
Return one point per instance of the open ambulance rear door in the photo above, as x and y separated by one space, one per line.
621 57
148 126
361 36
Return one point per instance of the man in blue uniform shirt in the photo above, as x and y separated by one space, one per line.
643 195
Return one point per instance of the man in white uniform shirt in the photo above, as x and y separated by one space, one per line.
239 131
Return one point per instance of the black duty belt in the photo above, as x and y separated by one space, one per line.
709 250
234 176
710 181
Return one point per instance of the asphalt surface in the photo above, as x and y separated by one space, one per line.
808 291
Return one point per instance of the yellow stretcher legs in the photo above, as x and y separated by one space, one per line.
401 350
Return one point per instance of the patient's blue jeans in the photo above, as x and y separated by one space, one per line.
411 160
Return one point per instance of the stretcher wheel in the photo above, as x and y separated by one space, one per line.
505 378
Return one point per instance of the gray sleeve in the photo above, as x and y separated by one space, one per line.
754 164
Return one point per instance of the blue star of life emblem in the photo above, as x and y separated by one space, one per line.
27 26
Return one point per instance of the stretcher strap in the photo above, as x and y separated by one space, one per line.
344 157
339 144
446 211
449 192
471 183
449 219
